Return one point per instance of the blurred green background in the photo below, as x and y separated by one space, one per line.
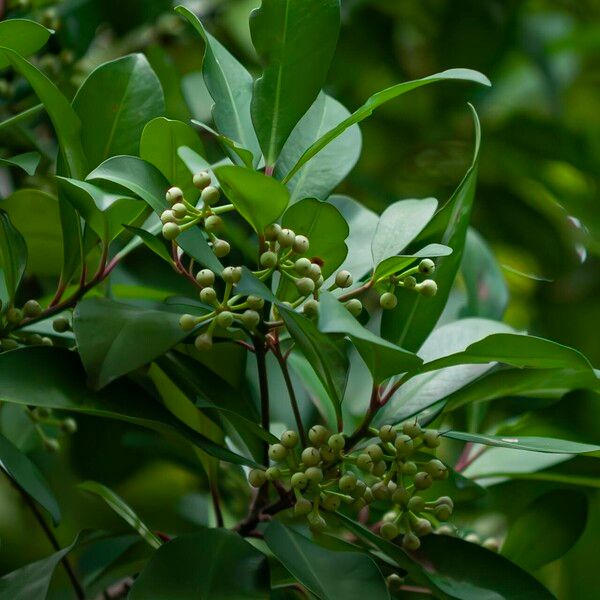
537 200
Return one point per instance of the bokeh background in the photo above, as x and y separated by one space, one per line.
537 200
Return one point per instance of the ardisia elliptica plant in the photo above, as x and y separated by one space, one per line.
328 353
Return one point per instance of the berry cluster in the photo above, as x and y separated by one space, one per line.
48 426
10 339
407 280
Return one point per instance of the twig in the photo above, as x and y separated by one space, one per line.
260 352
216 501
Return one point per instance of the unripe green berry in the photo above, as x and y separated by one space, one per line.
354 306
277 452
302 266
318 435
408 468
380 491
302 507
368 496
431 438
423 480
401 496
225 319
210 195
411 542
254 302
174 195
286 238
32 308
208 295
301 244
314 474
51 444
299 480
444 500
289 439
443 512
14 316
231 275
387 434
187 322
427 288
310 456
364 462
379 468
389 531
272 232
336 442
445 530
311 308
416 504
343 279
404 445
316 521
314 272
327 454
167 216
319 282
257 478
46 341
170 231
69 425
205 277
437 469
179 210
375 452
409 283
473 538
305 286
202 180
221 248
273 473
213 223
61 324
413 429
394 582
388 301
8 344
331 503
268 259
203 342
491 544
250 319
347 482
422 527
426 266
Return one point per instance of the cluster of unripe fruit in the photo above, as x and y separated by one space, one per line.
393 470
407 280
45 421
14 317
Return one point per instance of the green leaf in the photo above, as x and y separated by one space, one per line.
28 162
296 42
413 319
154 242
532 444
261 200
161 139
545 531
399 224
21 470
238 153
58 381
395 264
323 173
32 580
377 100
381 357
122 509
328 574
114 103
105 213
23 36
230 86
211 564
13 252
114 339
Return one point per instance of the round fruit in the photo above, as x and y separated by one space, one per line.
354 306
277 452
423 480
387 434
289 439
170 231
388 301
201 180
221 248
205 277
210 195
187 322
343 279
426 266
203 342
318 434
299 480
300 245
257 477
268 260
389 531
311 457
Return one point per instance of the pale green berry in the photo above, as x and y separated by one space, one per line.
445 530
289 439
167 216
375 452
268 259
187 322
203 342
443 512
61 324
231 275
411 542
401 496
431 438
364 462
170 231
331 502
286 238
437 469
379 468
202 180
277 452
225 319
51 444
387 434
208 295
314 272
327 454
210 195
354 306
491 544
444 500
388 301
336 442
318 435
380 491
205 277
302 507
416 504
319 282
423 480
69 425
8 344
257 478
174 195
473 538
272 232
389 516
179 210
32 308
316 521
302 266
221 248
343 279
347 482
311 308
422 527
408 468
213 223
34 340
254 302
311 457
389 531
46 341
426 266
410 283
250 319
394 582
299 480
413 429
427 288
273 473
14 316
314 474
305 286
301 244
368 496
404 445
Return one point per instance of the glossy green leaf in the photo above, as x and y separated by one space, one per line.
399 224
329 575
211 564
261 200
409 324
323 173
154 242
296 42
28 162
22 36
114 339
13 252
381 357
122 509
161 139
396 264
114 104
21 470
545 531
230 86
237 153
532 444
58 381
105 213
377 100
